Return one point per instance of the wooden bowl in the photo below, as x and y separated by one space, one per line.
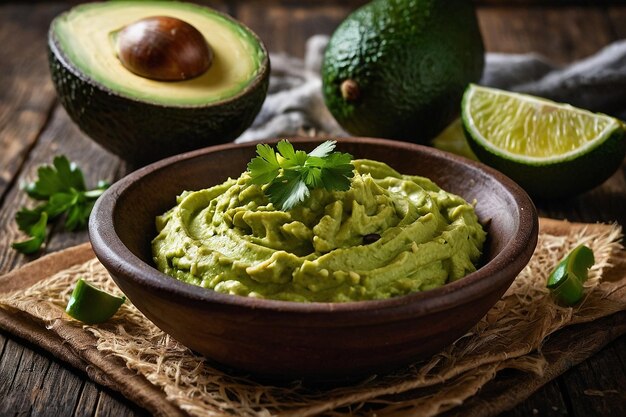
316 341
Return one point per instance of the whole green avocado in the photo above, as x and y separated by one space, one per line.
398 68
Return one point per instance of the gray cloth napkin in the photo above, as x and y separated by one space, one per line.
294 104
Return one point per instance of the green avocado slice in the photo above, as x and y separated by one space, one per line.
143 120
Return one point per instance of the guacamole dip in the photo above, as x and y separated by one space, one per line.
388 235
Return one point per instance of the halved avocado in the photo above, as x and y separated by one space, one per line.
142 119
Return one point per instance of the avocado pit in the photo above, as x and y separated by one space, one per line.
163 48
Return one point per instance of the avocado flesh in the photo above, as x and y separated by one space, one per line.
86 36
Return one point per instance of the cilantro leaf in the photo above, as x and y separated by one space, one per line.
62 189
323 149
267 153
28 246
47 184
287 151
288 190
289 157
61 177
69 174
37 231
264 168
291 174
337 172
334 180
26 218
60 203
77 216
313 177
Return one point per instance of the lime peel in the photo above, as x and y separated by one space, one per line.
92 305
610 126
551 149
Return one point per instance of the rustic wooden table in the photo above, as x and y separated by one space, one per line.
34 127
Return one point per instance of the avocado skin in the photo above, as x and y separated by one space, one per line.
411 59
141 132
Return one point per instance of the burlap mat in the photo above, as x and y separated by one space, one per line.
524 341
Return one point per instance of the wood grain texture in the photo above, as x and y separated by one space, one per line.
87 401
33 130
112 405
47 402
26 93
285 28
560 34
32 373
28 380
594 386
11 353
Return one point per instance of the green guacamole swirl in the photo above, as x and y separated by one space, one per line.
231 239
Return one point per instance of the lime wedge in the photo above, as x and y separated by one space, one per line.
566 281
92 305
551 149
452 139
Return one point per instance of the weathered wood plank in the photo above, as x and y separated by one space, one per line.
562 34
596 387
41 386
285 27
10 357
28 380
26 93
113 405
3 342
88 400
50 401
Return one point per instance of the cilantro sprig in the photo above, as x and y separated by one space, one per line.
61 188
292 174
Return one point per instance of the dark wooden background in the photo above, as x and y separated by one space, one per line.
34 128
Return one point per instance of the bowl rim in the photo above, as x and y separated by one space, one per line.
115 256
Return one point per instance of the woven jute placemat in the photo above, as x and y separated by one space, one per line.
523 342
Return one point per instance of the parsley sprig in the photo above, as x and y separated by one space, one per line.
62 189
292 174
